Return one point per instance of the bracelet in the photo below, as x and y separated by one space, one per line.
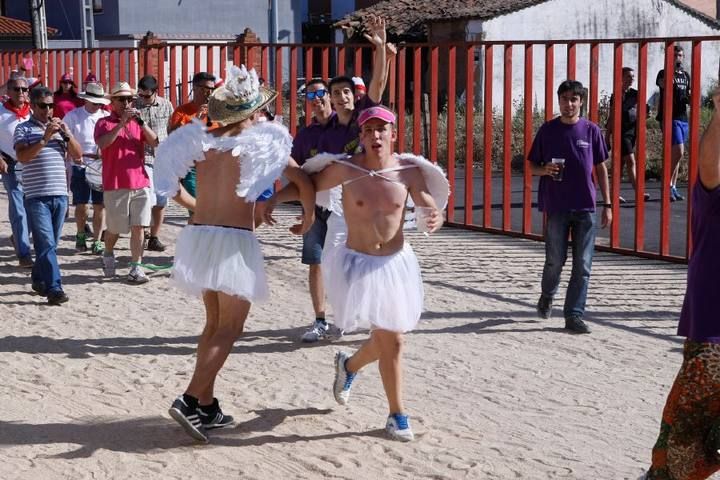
607 205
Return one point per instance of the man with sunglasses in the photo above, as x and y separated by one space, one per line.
41 144
122 137
13 112
155 112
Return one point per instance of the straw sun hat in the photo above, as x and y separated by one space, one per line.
94 93
239 97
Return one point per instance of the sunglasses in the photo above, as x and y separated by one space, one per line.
48 106
313 95
124 99
21 89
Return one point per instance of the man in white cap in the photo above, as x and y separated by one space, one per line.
121 137
218 256
373 280
81 122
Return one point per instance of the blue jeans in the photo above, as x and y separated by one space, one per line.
16 214
582 226
47 215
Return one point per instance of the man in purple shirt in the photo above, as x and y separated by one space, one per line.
689 441
564 153
334 132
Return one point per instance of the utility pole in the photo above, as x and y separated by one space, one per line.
39 24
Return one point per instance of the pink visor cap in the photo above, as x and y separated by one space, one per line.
379 112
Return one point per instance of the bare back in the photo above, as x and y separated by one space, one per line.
216 200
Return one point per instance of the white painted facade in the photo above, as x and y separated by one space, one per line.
592 19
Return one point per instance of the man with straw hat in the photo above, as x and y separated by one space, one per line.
81 122
218 257
121 138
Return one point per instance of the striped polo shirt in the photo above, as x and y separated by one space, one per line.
44 175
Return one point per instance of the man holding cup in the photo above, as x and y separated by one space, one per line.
564 153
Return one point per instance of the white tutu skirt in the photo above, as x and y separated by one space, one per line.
368 291
221 259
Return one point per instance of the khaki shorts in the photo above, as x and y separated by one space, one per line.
125 208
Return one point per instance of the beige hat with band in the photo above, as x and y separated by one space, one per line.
239 97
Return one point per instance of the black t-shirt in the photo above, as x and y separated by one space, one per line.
628 123
681 94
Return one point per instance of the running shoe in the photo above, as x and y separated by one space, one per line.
343 379
137 276
398 427
188 418
81 242
97 247
212 416
317 331
155 245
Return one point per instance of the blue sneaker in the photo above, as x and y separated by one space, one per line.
677 194
398 427
343 379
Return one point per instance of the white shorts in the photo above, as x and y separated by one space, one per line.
127 208
221 259
369 291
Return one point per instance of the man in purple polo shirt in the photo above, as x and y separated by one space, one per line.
334 132
564 153
689 441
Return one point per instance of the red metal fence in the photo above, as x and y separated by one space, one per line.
472 107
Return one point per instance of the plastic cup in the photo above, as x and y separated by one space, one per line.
560 162
422 214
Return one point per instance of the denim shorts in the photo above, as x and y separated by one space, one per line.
314 239
81 191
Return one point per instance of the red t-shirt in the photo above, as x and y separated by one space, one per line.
123 161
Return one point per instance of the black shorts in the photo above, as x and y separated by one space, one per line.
627 145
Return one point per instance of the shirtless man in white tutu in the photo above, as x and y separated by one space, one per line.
373 280
218 257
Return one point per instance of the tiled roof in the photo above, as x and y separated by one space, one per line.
410 17
12 27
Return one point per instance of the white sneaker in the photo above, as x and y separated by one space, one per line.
343 379
334 333
137 276
318 330
398 427
108 265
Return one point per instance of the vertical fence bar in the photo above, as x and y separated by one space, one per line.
211 61
616 147
571 60
641 149
469 124
392 82
340 67
223 60
278 80
184 74
113 73
667 148
133 60
103 67
197 51
507 139
293 91
527 140
433 154
172 80
357 68
236 55
417 104
325 62
265 62
94 67
52 79
549 80
593 111
161 70
401 99
452 52
487 135
695 97
308 76
123 54
5 59
77 68
84 65
67 64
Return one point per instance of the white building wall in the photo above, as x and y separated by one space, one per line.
593 19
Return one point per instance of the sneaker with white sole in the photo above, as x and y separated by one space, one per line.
334 333
137 276
108 265
212 416
343 379
188 418
398 427
317 331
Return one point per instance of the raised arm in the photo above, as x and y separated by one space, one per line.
377 36
709 158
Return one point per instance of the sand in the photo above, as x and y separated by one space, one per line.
493 393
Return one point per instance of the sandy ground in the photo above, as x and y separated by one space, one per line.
492 392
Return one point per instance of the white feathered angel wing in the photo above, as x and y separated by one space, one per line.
176 155
436 181
263 151
329 199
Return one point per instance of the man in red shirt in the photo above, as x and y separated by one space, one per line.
122 137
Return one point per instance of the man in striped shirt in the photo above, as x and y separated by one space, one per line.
41 144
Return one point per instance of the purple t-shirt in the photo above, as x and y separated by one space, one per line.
338 138
582 146
305 143
699 319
